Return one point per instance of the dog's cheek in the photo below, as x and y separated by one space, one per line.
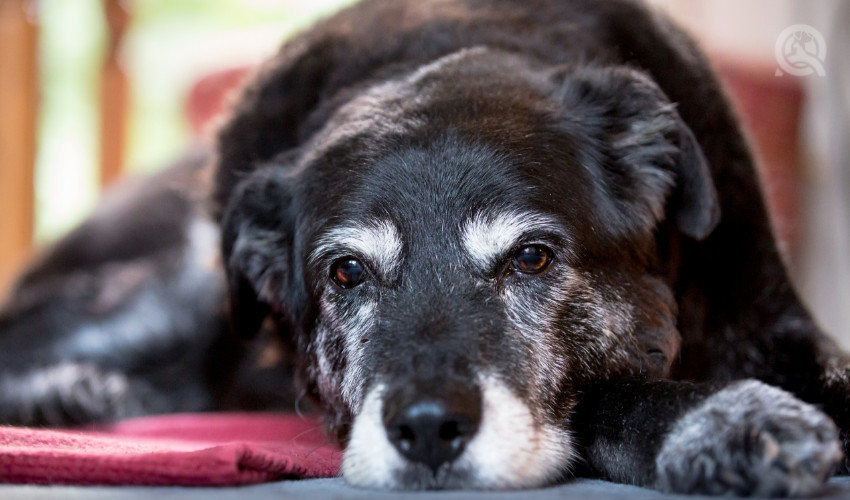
348 321
575 329
561 331
337 351
534 310
326 356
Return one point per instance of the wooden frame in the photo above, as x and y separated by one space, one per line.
18 109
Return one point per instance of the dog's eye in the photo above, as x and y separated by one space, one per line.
347 272
531 259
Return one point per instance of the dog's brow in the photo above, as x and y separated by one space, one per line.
376 240
487 237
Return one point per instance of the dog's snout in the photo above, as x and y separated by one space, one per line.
433 431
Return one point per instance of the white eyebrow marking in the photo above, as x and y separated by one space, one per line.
487 237
378 241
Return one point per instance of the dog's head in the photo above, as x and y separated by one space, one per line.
457 252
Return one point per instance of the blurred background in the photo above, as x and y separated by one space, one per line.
91 90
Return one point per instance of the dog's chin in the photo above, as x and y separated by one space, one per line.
510 450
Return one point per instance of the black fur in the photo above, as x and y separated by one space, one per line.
600 114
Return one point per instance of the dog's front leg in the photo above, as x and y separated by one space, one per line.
743 438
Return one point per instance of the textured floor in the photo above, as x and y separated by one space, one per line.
582 489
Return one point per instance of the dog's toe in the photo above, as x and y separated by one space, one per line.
797 464
749 439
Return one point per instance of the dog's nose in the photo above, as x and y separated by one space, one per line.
431 432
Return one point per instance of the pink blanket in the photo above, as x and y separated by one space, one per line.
187 450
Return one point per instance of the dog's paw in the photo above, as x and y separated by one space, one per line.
65 394
749 439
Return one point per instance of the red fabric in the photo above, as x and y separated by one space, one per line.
185 450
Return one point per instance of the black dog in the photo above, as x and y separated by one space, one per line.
501 241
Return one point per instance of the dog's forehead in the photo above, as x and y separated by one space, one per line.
449 188
472 172
448 195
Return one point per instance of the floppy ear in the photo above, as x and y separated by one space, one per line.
256 248
693 203
653 164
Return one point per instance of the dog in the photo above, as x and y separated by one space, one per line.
498 243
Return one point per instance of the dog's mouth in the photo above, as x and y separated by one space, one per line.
439 443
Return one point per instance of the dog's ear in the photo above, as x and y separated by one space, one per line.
693 203
256 248
654 165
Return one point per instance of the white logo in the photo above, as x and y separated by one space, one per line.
800 51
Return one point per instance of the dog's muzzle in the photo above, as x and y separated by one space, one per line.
431 423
